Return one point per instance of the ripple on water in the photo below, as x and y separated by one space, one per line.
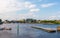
25 31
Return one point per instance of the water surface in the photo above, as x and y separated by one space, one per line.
25 30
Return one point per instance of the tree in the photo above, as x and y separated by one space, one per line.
1 21
30 20
7 21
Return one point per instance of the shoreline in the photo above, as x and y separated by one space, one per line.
31 23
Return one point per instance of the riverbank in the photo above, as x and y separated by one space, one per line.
33 21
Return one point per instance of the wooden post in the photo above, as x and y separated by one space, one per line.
58 28
18 30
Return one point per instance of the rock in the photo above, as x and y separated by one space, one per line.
7 29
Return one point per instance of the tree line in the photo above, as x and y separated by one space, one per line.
31 21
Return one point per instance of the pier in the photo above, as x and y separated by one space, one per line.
50 30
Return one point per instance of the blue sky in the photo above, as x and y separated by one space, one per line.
36 9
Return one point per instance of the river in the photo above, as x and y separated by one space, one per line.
25 30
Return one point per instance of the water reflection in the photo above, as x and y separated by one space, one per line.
25 31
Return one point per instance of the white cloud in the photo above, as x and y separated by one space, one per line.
9 5
48 5
29 5
54 17
8 9
27 15
34 10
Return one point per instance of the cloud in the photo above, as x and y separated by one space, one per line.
48 5
30 14
8 9
9 5
26 15
54 17
29 5
34 10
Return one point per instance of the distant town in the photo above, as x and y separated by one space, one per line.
31 21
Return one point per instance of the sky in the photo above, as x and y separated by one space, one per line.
35 9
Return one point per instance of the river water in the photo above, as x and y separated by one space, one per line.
25 30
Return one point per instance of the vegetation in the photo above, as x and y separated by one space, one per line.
50 21
1 22
34 21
